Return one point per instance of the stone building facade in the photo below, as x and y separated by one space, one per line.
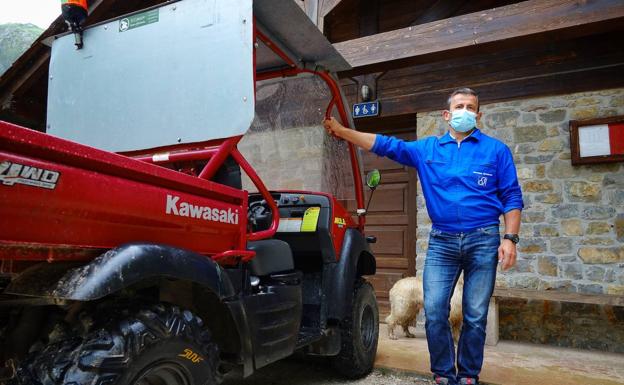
573 222
572 234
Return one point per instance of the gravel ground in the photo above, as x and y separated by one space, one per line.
299 371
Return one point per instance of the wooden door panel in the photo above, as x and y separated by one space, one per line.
390 240
391 262
394 177
372 161
380 220
392 219
388 198
383 281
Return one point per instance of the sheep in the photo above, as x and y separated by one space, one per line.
406 301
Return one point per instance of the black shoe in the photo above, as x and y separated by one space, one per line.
468 381
440 380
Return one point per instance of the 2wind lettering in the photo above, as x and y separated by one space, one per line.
15 173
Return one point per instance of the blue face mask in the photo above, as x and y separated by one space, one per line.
463 120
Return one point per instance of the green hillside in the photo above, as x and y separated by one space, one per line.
14 40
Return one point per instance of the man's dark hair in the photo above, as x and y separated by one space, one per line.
463 91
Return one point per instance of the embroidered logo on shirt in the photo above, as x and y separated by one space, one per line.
482 181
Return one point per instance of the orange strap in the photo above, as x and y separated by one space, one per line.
81 3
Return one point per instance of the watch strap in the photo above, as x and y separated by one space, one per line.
512 237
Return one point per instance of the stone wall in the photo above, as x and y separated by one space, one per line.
573 222
298 158
574 325
572 234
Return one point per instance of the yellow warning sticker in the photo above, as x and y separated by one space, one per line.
310 219
340 221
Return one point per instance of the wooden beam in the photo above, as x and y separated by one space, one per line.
589 79
440 9
369 17
585 62
497 27
327 6
26 75
310 7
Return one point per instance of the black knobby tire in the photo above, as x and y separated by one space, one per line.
160 344
359 334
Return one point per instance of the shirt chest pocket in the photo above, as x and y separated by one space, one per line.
481 175
437 171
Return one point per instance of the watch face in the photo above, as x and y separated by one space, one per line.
512 237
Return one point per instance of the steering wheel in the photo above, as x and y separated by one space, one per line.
259 215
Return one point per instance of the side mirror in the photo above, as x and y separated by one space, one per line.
372 181
373 178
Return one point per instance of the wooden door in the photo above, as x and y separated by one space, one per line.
392 219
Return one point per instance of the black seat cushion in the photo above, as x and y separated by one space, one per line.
272 256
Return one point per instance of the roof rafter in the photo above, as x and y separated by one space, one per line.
497 27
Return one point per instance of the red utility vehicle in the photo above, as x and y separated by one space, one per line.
129 251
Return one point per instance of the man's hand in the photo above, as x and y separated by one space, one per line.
333 127
507 254
360 139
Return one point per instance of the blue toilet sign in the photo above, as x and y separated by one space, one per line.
363 110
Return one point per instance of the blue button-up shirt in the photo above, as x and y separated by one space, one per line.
466 185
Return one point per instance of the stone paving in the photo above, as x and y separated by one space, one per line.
406 361
511 363
300 371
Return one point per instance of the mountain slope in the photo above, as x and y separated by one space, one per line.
14 40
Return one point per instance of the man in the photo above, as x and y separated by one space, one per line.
468 180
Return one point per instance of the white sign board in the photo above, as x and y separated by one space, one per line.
594 140
180 73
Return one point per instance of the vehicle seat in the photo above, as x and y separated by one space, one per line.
272 256
229 174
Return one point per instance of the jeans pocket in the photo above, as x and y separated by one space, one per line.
490 230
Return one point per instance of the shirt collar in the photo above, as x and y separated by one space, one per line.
448 137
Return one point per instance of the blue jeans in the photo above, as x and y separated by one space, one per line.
476 254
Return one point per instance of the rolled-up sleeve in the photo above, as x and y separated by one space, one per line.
509 191
406 153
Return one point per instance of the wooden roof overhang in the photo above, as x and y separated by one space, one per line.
525 49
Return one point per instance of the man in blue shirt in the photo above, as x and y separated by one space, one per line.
468 180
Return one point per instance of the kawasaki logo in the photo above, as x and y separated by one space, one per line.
15 173
184 209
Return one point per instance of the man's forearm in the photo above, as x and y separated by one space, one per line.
512 221
360 139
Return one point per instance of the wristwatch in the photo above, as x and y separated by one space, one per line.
512 237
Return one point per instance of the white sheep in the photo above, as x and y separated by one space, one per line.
406 301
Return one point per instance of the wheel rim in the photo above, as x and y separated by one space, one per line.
367 327
165 373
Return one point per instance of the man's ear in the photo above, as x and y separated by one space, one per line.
479 114
446 114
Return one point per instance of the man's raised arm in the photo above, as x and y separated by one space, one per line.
360 139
